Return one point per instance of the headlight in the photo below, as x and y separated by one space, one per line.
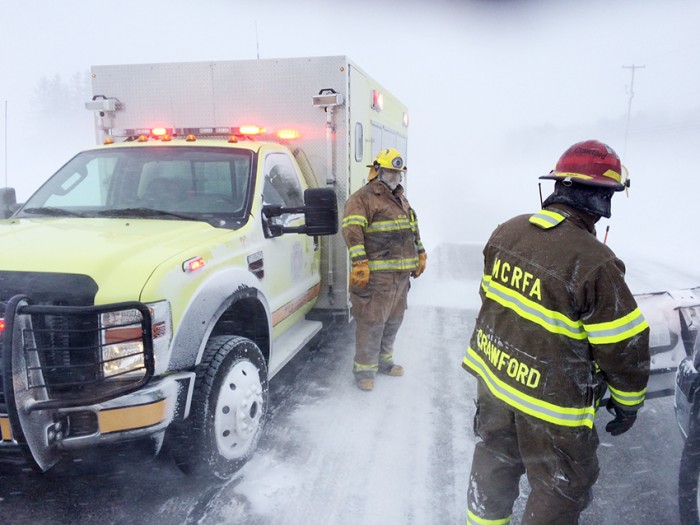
123 337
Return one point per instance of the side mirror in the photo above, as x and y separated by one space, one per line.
8 202
320 213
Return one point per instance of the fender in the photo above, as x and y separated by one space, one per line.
205 308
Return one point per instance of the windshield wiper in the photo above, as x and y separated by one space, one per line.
53 212
144 212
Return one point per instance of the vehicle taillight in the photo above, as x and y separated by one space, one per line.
2 325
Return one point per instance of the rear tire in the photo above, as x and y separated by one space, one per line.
688 478
228 410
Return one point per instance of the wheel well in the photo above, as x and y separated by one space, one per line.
246 318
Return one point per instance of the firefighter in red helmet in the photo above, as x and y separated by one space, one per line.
381 232
557 327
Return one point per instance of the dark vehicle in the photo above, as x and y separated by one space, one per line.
687 405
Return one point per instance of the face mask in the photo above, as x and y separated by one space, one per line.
390 178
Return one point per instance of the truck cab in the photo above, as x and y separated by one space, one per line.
131 267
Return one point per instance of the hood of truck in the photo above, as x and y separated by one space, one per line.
119 255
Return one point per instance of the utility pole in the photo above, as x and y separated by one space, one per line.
257 40
6 143
633 68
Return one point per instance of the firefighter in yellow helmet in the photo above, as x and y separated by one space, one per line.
381 232
557 326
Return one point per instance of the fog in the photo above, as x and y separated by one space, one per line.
496 90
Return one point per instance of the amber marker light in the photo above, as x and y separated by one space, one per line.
194 264
191 138
250 130
288 134
142 138
108 140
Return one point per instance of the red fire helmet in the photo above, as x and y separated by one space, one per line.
592 163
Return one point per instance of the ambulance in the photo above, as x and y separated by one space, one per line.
152 287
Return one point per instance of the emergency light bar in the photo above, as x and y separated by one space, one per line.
191 134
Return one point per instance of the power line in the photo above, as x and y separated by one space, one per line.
633 68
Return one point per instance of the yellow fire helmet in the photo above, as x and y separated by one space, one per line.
387 158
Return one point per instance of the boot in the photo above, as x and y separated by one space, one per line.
365 384
393 370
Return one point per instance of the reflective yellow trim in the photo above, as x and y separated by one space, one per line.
355 220
617 330
547 219
5 430
628 398
359 367
473 519
128 418
394 264
389 226
550 320
358 251
610 174
558 415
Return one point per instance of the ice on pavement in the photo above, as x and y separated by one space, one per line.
401 454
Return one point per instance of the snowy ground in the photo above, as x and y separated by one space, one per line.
331 454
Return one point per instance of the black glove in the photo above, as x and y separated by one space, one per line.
624 419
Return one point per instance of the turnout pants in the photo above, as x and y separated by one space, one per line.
378 310
560 462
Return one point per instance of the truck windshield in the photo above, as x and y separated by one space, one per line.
179 182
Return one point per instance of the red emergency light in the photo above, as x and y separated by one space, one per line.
377 100
2 326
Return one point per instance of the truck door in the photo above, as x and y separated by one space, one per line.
290 276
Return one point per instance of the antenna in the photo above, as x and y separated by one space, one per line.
629 106
539 186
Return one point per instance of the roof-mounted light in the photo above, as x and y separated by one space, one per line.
251 130
288 134
377 100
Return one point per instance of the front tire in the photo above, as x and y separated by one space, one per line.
228 410
688 478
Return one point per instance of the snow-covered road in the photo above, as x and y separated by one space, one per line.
332 454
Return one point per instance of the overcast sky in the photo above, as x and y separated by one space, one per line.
496 90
